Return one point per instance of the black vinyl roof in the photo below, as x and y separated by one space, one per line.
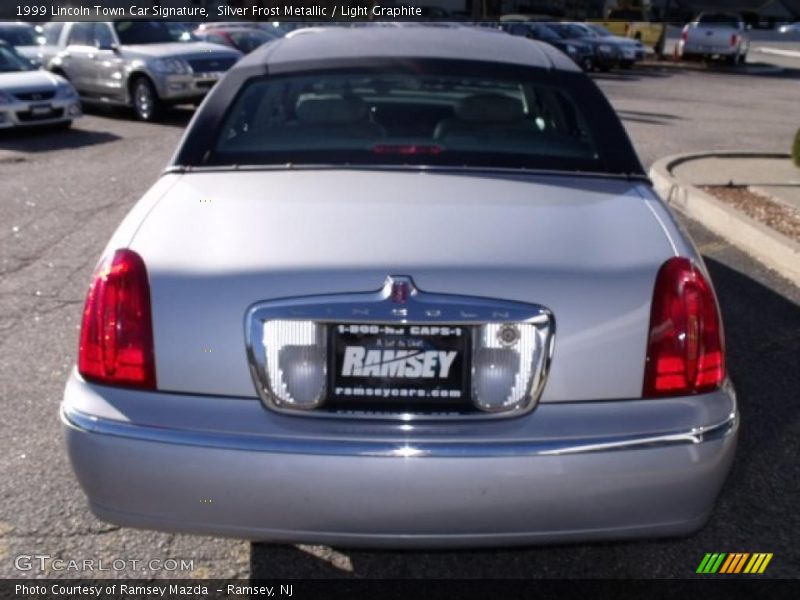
413 42
417 49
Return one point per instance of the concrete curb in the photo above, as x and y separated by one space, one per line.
769 247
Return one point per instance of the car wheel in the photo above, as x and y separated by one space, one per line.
146 103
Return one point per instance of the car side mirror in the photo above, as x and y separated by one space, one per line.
107 46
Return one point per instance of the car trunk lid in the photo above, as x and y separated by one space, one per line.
588 249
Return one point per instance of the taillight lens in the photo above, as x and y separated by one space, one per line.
685 351
734 39
116 345
685 34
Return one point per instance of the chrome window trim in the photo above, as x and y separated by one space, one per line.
419 308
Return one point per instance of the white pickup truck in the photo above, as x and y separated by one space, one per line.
715 35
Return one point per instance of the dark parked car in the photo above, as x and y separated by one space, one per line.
243 39
580 52
631 50
606 55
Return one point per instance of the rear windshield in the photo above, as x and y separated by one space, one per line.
406 118
719 20
147 32
570 30
247 41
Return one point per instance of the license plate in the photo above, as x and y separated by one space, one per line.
41 110
418 366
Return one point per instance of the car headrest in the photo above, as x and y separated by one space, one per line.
331 109
489 108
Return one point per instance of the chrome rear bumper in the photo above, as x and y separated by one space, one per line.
566 472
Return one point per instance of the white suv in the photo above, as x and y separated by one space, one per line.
142 64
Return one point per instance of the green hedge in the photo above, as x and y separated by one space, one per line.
796 149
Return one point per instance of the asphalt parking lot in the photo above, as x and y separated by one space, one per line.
63 193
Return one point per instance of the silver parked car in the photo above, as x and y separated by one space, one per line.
402 287
142 64
29 96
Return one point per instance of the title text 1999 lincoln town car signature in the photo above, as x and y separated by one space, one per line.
402 287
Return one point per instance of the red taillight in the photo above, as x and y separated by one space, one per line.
116 346
685 350
685 35
734 39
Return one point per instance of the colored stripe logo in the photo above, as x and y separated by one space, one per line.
734 563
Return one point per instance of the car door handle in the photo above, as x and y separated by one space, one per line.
91 56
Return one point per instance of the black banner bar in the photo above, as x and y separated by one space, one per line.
674 11
354 589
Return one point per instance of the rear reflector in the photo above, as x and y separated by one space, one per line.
685 351
116 343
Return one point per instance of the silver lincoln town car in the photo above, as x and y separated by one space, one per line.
402 287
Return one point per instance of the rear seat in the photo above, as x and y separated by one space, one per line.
342 116
483 116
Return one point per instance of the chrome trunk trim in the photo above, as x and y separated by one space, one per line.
398 301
